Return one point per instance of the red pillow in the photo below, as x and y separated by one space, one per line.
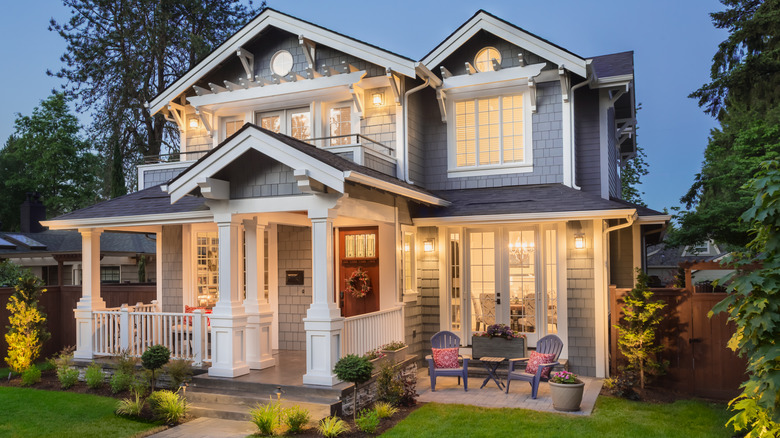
445 357
190 309
537 359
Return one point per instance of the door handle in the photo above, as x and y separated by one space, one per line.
498 300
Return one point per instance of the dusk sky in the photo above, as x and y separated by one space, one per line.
673 44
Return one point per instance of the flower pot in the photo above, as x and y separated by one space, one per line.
498 347
395 356
567 396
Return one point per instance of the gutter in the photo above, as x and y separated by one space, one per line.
360 178
572 130
430 80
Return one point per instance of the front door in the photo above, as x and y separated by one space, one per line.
358 284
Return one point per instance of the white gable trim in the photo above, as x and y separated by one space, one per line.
293 25
483 21
252 138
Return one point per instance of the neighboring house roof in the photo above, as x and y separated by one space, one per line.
662 256
51 242
271 17
615 64
527 200
483 20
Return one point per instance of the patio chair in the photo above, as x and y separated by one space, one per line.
488 303
478 319
549 344
445 339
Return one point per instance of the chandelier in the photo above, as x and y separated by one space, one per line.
521 251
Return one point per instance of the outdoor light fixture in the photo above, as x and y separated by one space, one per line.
378 99
579 240
429 244
194 123
278 393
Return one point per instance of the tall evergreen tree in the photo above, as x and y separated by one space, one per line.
121 54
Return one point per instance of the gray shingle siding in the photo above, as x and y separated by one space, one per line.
416 132
428 286
154 177
588 144
379 165
171 276
581 306
294 253
612 157
254 175
455 63
378 123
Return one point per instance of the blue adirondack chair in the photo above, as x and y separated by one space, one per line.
548 344
445 339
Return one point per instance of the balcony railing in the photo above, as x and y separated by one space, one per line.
351 140
173 157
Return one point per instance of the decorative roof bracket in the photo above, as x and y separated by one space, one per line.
521 60
444 72
178 115
358 97
248 61
532 93
200 91
470 68
306 184
206 124
565 82
329 71
308 47
393 77
212 188
217 88
440 96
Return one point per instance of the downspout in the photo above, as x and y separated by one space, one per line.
406 123
573 133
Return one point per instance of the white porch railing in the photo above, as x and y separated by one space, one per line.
185 334
366 332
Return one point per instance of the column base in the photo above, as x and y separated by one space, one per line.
228 340
323 349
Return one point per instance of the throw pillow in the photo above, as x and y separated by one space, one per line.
537 359
445 357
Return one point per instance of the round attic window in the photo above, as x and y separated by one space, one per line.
483 60
281 63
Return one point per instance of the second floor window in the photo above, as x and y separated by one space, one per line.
489 131
340 124
293 122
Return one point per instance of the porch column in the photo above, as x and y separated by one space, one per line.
90 292
228 321
323 322
258 310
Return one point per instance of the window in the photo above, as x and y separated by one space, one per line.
207 268
484 59
282 63
293 122
109 274
490 131
340 124
408 256
231 126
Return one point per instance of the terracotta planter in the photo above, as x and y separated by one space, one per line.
395 356
498 347
567 396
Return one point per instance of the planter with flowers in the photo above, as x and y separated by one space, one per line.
498 341
395 351
376 357
566 391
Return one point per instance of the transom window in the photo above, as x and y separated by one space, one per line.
489 131
484 59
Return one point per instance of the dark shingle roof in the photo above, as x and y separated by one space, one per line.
148 201
64 241
616 64
546 198
662 255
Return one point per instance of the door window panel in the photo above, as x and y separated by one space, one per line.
522 281
455 297
340 124
300 124
482 253
551 279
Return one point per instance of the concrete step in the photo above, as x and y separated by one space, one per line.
237 404
299 392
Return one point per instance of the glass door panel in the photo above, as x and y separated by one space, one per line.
551 279
482 281
522 282
455 278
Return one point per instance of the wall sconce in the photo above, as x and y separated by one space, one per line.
429 245
194 123
579 240
378 99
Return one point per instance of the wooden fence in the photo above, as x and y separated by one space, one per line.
58 303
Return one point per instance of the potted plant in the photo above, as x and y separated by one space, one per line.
395 351
498 341
376 357
566 391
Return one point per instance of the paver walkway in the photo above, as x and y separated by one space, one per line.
209 428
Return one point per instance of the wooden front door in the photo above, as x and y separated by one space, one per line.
358 250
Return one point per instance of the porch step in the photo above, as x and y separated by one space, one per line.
213 403
243 385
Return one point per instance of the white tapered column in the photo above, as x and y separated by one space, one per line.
258 310
323 322
90 292
228 320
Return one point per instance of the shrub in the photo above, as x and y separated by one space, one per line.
68 376
153 359
266 417
10 273
179 370
63 359
131 407
331 427
94 376
168 406
385 410
390 388
409 396
367 421
295 418
126 363
31 376
623 384
121 381
354 369
27 330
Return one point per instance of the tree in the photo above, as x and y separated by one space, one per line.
47 155
630 177
122 54
743 94
27 331
354 369
754 307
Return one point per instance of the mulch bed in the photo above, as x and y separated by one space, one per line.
50 382
652 394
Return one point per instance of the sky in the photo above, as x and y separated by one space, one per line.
673 44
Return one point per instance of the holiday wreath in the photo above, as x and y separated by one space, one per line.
359 284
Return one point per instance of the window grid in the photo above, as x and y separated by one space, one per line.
340 124
489 131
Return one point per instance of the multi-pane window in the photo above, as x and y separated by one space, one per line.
231 126
295 123
484 59
340 124
300 124
207 268
408 262
109 274
455 312
489 131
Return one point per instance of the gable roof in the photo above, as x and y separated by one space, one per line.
271 17
615 64
516 35
69 242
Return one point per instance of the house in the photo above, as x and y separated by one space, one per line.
331 196
55 255
665 263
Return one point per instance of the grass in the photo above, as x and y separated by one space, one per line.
35 413
612 417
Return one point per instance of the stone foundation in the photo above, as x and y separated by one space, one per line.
367 392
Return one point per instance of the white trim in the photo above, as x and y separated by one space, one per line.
611 81
489 170
604 131
123 221
351 175
143 168
518 37
273 282
444 295
525 217
492 78
636 248
566 135
295 26
601 327
563 289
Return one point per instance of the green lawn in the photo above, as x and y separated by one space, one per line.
612 418
33 413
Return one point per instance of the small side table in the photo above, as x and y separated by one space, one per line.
491 365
